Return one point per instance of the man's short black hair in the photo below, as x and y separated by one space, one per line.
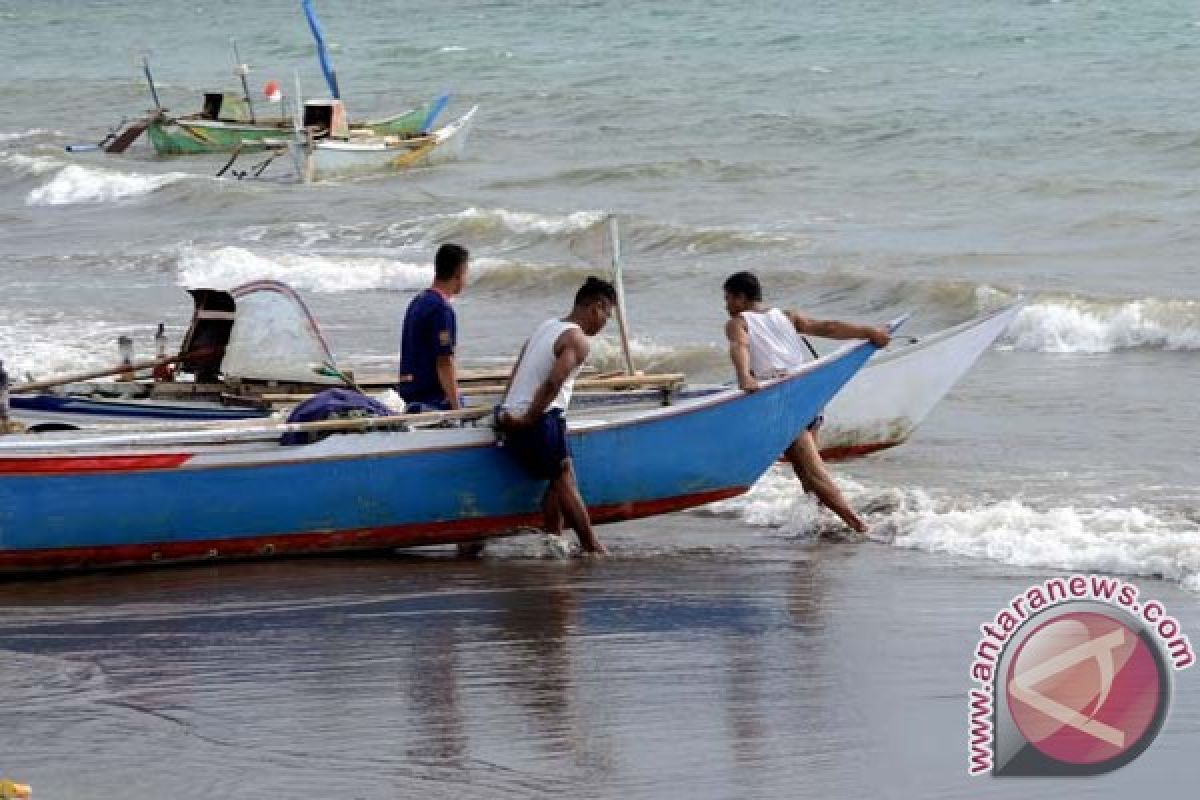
448 261
746 285
593 289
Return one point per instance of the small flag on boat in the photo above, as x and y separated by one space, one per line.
273 91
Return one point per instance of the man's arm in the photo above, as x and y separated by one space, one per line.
739 352
836 329
447 343
570 351
447 374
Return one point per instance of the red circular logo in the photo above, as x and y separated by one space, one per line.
1084 688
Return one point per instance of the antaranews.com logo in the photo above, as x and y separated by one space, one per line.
1074 678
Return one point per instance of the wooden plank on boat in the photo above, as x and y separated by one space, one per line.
218 433
669 380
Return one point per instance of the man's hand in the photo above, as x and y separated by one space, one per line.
749 385
879 337
507 422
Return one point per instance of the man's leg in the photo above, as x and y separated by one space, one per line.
552 517
806 460
574 510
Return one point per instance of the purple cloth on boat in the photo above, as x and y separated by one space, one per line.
331 404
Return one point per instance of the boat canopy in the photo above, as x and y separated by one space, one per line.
266 331
225 107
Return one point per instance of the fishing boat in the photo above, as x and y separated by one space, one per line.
227 124
75 500
344 152
260 342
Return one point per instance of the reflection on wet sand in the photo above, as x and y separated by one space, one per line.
654 675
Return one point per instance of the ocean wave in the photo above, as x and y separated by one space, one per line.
25 165
75 184
698 168
504 221
12 136
1115 540
226 267
1076 325
651 356
658 238
43 345
230 266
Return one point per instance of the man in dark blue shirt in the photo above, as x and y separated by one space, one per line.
428 378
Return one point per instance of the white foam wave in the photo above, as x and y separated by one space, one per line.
526 222
1076 326
1111 540
10 136
452 48
227 267
75 184
55 344
30 165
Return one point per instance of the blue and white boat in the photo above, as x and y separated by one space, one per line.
87 500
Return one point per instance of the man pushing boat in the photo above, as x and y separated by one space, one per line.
531 416
766 343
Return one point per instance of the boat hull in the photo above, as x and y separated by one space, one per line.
178 137
103 501
893 395
339 159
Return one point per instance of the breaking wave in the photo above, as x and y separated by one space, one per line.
1074 325
650 356
522 223
1115 540
12 136
227 267
53 344
75 184
26 165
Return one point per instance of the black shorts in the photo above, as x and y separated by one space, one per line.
541 448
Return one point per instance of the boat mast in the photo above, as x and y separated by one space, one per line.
242 70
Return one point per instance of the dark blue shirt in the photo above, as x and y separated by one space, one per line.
429 331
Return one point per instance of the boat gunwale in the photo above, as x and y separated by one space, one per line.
172 440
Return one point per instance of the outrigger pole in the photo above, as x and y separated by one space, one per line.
150 80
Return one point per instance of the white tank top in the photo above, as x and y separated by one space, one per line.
775 346
536 364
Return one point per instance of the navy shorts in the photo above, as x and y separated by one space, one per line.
541 448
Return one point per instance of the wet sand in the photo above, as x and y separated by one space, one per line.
704 660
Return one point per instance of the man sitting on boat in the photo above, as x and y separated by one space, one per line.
532 413
765 343
428 376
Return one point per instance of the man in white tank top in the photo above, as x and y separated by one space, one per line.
537 397
766 343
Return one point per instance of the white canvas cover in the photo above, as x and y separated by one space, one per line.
274 337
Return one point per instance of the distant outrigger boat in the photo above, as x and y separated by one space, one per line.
226 124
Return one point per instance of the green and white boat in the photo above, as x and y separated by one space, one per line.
226 124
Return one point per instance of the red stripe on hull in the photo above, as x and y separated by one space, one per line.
135 555
61 464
